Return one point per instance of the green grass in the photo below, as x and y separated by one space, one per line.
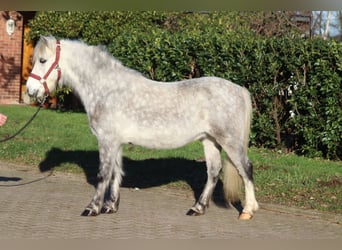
63 141
297 181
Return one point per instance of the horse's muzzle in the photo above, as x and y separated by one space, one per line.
32 92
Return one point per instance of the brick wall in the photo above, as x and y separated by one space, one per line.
10 58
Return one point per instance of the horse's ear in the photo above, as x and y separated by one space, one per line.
46 40
43 39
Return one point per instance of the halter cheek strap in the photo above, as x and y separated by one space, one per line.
54 65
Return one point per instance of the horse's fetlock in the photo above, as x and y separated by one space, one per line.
198 209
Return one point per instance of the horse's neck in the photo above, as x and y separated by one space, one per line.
84 78
90 81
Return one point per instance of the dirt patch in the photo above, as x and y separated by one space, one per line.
333 182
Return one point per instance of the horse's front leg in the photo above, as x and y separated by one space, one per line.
111 204
108 154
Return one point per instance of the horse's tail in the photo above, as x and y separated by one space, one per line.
232 182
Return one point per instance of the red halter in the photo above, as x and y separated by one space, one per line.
52 67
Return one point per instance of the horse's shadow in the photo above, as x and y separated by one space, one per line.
142 174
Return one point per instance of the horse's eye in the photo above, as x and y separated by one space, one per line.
42 60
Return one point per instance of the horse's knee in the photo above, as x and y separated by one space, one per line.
105 173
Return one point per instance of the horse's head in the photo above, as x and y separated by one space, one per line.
46 72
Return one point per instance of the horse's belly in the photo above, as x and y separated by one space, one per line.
163 139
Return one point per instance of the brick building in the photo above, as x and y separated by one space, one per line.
14 55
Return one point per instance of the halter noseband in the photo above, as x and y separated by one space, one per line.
54 65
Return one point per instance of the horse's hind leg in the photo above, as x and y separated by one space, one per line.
108 156
239 158
214 165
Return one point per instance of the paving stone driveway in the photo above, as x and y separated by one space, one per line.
37 205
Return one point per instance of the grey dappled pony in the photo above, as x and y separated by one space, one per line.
124 107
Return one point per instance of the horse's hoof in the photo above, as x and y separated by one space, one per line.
107 210
88 212
192 212
245 216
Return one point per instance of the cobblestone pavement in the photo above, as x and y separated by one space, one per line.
37 205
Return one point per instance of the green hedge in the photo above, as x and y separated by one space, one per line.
295 82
